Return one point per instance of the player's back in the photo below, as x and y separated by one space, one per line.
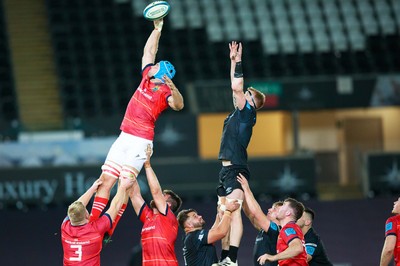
82 244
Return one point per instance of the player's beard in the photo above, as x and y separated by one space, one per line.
199 224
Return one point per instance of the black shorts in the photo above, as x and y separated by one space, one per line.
228 179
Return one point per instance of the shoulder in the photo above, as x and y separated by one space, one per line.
248 112
145 210
311 236
391 224
146 68
290 229
195 235
393 220
273 226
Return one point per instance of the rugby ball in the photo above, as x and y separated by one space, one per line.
156 10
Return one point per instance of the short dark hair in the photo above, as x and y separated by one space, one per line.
174 199
297 206
183 216
310 212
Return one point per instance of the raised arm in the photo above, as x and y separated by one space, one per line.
237 81
388 250
154 185
295 248
120 197
175 101
85 198
260 220
136 197
151 46
219 231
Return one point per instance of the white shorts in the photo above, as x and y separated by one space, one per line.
128 150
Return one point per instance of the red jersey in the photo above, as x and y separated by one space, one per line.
288 233
82 244
392 227
159 233
146 104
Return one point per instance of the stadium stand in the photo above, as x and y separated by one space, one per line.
98 43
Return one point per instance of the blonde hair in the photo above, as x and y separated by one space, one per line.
259 98
76 212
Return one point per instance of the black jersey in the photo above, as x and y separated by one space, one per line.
196 250
316 249
236 135
266 243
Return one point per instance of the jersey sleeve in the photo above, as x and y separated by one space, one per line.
146 70
312 245
288 234
65 219
247 113
390 227
144 212
201 239
171 216
104 223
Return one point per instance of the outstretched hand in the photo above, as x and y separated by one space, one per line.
158 24
149 152
265 258
235 51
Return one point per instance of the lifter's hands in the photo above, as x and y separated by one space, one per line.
235 51
96 185
243 181
232 205
126 183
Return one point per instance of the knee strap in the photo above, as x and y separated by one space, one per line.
127 172
238 200
111 168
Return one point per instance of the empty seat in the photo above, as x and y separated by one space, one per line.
177 17
356 39
270 43
304 42
193 14
287 43
214 31
396 11
138 7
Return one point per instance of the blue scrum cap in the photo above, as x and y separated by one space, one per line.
166 68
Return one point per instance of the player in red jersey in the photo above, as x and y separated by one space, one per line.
82 239
160 227
391 248
155 93
290 247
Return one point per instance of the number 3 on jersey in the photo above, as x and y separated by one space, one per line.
78 251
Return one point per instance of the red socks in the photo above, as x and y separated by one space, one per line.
98 206
119 215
